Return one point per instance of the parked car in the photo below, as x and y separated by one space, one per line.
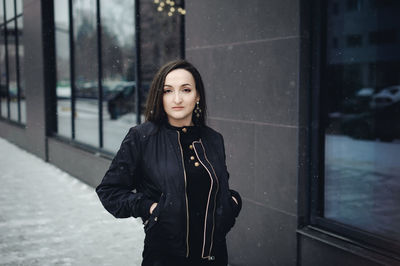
360 102
122 101
378 123
386 97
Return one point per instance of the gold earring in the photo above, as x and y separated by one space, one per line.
197 110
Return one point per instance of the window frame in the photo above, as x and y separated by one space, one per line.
5 25
53 125
316 150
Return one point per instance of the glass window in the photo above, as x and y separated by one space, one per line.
10 12
361 121
86 72
106 61
118 70
354 40
12 70
20 6
1 12
3 75
63 77
161 37
21 77
12 91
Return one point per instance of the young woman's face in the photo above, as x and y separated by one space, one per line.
180 97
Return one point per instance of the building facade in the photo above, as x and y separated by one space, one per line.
305 93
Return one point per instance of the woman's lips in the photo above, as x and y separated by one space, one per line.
177 107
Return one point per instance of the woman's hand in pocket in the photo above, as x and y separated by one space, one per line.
235 200
152 207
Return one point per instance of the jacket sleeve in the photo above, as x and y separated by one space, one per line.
116 190
234 193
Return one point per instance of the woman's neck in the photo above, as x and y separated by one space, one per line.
181 124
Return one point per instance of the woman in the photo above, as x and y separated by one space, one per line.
171 172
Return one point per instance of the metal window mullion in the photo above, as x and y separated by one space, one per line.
17 62
182 30
72 67
138 62
100 74
6 57
1 109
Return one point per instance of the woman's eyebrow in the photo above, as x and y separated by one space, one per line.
186 84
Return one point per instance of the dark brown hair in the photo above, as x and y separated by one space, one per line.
154 105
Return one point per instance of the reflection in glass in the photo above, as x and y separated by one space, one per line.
10 12
3 75
161 38
20 6
12 71
20 25
1 13
63 87
118 61
362 129
86 72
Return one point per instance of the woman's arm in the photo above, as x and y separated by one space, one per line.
116 189
234 194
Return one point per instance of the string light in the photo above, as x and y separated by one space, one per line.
172 10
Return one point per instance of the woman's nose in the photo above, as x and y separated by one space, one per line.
178 97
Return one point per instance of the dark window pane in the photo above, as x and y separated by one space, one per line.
382 37
383 3
118 61
354 40
86 72
3 74
353 5
362 120
161 37
63 87
335 42
12 70
335 8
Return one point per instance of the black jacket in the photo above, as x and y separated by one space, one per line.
149 168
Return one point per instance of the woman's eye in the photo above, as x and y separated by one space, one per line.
167 90
187 89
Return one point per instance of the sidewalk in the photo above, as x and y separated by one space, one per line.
48 217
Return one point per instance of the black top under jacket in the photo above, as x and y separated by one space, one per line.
198 188
150 167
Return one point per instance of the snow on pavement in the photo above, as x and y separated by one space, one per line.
48 217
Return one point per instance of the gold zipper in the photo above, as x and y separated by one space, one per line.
186 198
215 200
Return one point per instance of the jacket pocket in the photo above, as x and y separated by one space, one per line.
154 218
225 216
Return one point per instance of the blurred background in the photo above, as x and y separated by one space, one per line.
305 93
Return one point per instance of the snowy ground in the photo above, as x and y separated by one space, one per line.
48 217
